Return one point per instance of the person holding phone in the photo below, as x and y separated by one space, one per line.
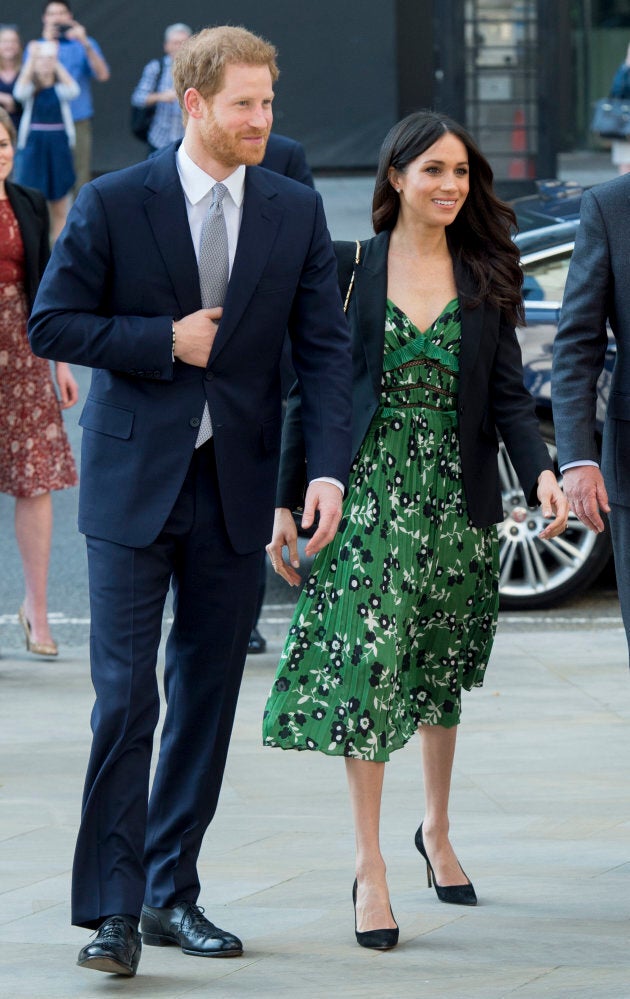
46 133
81 55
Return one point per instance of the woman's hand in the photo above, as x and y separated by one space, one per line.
552 501
284 535
68 388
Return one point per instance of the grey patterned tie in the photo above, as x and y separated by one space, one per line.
213 275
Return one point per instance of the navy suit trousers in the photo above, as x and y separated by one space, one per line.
619 520
132 846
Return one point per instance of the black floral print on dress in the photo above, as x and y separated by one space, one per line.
399 611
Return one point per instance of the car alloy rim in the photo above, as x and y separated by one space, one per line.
529 566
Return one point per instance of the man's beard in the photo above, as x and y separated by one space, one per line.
228 149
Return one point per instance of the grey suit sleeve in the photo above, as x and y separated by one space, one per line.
580 344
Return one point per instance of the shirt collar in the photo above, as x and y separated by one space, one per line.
197 183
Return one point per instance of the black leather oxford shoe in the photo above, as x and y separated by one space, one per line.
184 925
257 643
116 948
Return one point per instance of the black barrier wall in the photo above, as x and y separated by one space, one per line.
337 92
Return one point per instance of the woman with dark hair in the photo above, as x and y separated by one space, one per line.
399 612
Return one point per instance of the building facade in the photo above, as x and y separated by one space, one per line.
521 74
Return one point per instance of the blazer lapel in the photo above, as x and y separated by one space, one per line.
370 289
259 226
166 210
30 230
472 331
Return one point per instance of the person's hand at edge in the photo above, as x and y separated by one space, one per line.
585 490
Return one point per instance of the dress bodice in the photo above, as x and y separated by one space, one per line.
12 256
421 370
46 108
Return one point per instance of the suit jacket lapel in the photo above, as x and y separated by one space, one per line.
259 226
166 210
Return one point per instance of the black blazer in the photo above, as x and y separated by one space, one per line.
31 213
491 394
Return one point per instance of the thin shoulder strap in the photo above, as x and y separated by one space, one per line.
357 258
348 256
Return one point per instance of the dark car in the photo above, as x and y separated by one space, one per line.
537 573
554 201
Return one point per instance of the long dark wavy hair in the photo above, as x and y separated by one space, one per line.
480 236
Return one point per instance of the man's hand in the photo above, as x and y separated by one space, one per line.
77 32
194 336
324 497
327 499
68 388
585 490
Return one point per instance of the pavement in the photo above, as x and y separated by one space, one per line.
539 817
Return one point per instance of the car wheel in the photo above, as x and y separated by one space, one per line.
535 573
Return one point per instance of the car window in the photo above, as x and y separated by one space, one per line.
545 276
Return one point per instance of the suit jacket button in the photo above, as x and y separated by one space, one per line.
209 376
194 421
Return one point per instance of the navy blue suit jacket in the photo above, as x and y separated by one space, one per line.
286 156
123 267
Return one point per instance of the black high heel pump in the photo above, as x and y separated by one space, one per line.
455 894
376 939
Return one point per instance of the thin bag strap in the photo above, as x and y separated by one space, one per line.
357 258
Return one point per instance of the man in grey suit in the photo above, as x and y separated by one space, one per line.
597 293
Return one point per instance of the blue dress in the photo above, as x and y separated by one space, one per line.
46 160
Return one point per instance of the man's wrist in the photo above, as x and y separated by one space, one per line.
333 482
581 463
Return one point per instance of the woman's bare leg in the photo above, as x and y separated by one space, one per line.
438 753
365 780
33 530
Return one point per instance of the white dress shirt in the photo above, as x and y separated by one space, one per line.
197 185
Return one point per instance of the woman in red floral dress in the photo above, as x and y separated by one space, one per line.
35 455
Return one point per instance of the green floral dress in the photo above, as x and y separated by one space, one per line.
399 611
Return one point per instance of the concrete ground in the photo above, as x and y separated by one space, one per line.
540 820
